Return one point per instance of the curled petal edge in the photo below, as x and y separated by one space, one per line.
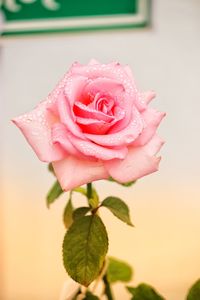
139 162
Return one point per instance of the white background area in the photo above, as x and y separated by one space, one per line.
164 246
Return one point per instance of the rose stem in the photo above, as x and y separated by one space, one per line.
89 190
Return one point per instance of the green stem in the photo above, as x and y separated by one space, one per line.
108 291
89 190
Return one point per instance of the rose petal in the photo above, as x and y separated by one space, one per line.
66 116
148 96
73 172
129 72
36 127
74 87
123 137
60 136
143 100
93 62
104 85
152 119
140 161
117 72
84 111
93 126
89 148
112 71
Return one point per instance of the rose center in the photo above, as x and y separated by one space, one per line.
104 103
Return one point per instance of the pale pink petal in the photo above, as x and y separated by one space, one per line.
152 119
112 71
125 120
93 62
139 162
104 85
66 116
73 172
74 87
60 136
36 127
129 72
123 137
89 148
148 96
143 99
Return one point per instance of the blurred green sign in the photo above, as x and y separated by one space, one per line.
33 16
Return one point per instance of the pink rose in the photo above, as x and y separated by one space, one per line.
95 124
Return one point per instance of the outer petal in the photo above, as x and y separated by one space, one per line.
91 149
72 172
74 87
148 96
139 162
129 72
112 70
152 119
93 62
104 85
60 136
142 99
36 127
66 116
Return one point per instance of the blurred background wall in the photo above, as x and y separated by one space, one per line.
164 246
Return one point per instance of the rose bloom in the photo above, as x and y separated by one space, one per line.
94 125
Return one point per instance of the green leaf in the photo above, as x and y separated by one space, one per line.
144 292
80 212
131 289
118 208
80 190
90 296
194 292
118 270
127 184
68 213
84 248
93 200
54 193
94 194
